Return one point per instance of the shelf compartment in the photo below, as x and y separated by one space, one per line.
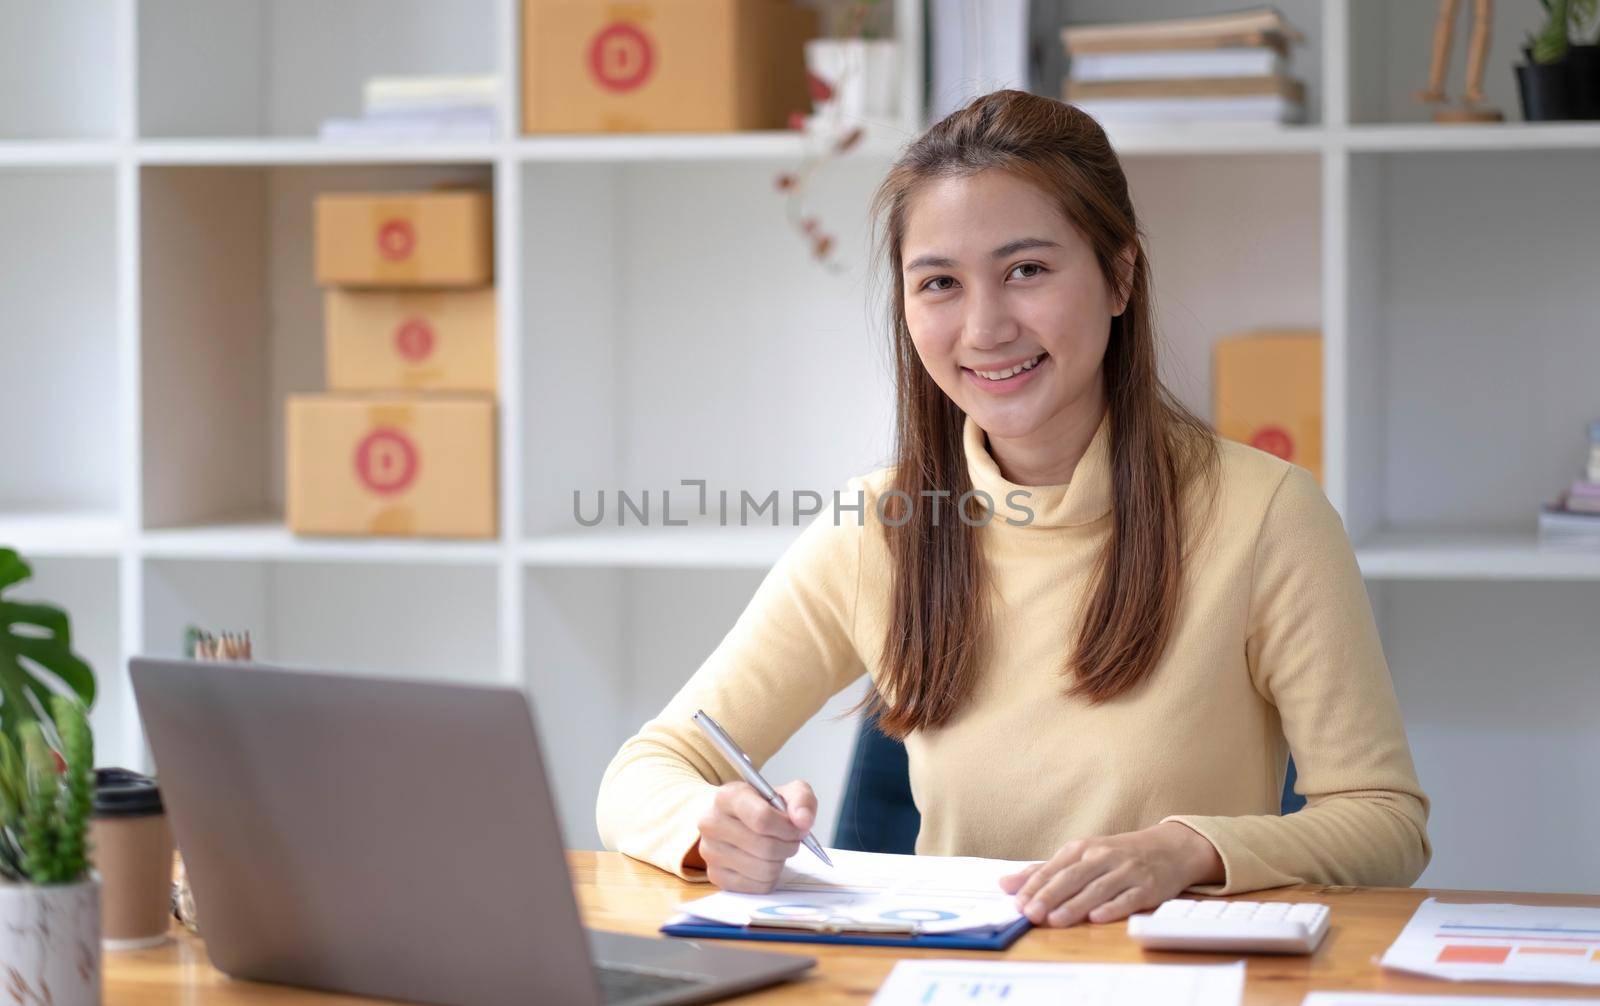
1472 344
59 418
435 621
59 69
1215 224
1497 685
650 325
231 325
1391 46
248 68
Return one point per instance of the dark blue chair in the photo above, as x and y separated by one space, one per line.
1291 800
878 814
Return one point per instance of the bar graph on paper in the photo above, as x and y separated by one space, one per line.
954 991
1521 943
977 983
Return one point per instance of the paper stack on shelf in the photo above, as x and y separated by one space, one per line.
1230 67
1574 520
422 108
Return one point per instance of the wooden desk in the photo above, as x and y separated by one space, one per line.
620 894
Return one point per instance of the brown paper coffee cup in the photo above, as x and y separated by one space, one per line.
132 849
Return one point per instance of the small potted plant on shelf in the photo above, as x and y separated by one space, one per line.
1585 57
49 897
855 70
1557 81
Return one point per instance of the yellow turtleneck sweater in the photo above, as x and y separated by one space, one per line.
1274 650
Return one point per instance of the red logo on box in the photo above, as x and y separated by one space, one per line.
396 238
386 460
1274 440
621 56
414 339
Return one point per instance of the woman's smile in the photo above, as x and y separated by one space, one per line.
1016 377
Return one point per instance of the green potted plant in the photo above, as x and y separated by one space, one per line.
49 896
1585 57
1549 81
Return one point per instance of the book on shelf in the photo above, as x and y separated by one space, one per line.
422 107
1216 68
1234 61
1260 109
411 93
1250 26
429 124
1584 497
1593 467
1574 519
1190 87
1559 526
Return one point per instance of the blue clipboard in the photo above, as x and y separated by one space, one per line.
988 938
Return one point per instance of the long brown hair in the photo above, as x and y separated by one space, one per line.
938 625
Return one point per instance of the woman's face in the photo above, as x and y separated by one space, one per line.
996 278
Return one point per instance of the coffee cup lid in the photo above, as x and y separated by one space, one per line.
120 792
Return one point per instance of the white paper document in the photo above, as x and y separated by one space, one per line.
935 894
1391 999
973 983
1499 943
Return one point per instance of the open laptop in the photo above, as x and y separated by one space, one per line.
396 839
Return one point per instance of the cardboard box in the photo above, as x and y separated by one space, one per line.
442 238
1268 394
592 66
419 340
391 465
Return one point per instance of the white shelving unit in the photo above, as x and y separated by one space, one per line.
660 322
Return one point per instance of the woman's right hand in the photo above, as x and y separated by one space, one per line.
744 840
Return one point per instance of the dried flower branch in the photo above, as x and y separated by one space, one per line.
793 185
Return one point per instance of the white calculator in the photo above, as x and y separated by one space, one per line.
1272 927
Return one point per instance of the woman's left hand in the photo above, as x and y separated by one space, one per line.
1110 878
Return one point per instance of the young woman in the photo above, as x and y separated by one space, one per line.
1099 628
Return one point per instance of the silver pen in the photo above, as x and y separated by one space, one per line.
741 761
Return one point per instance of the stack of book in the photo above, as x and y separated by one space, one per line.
422 108
1574 520
1231 67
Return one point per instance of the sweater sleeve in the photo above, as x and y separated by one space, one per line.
790 650
1314 652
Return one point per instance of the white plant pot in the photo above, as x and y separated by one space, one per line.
864 75
50 942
